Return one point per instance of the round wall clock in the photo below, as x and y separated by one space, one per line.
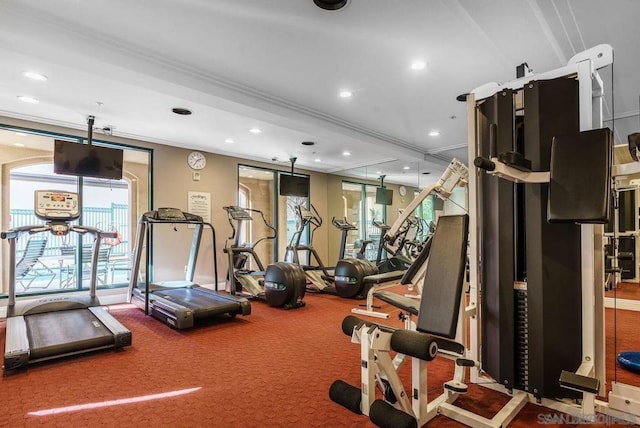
196 160
402 190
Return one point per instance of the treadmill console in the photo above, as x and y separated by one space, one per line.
56 205
174 215
170 214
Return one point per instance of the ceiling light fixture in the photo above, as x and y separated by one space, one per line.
34 75
181 111
255 130
346 153
406 167
21 134
330 4
434 133
345 94
418 65
27 99
228 141
378 172
317 160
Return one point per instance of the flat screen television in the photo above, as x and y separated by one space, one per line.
87 160
384 196
294 185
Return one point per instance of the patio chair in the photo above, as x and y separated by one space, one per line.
87 254
29 269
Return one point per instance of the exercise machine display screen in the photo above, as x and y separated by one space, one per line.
238 213
57 205
170 214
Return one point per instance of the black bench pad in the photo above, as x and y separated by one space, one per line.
379 278
402 302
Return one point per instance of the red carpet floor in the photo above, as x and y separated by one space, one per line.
625 290
272 368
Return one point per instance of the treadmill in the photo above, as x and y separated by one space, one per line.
57 326
179 303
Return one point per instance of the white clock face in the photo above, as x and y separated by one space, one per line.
402 190
196 160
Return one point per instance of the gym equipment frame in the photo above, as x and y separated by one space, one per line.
588 379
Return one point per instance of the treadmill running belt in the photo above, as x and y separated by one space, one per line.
202 302
65 332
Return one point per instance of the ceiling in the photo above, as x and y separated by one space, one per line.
279 65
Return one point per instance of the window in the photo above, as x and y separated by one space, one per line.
111 205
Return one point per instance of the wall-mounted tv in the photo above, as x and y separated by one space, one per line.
384 196
294 185
87 160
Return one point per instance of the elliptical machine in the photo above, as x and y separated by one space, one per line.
318 276
280 285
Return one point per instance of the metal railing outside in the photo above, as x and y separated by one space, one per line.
115 217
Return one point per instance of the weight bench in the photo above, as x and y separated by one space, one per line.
439 331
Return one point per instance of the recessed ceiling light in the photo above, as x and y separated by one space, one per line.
317 160
406 167
35 76
255 130
330 4
345 94
21 134
228 141
434 133
346 153
418 65
181 111
378 172
27 99
18 144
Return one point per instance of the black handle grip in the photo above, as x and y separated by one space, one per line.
463 362
484 163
